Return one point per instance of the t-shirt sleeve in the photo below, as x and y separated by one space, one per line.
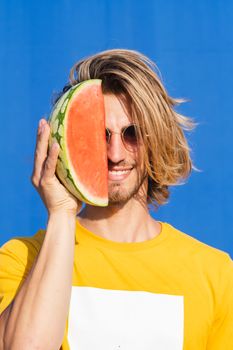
221 335
16 259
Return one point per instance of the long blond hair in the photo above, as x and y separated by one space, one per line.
166 153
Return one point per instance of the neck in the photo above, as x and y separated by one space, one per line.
129 222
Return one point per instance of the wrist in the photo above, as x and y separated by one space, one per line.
61 221
62 213
62 216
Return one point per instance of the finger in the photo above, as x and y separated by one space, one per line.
41 150
51 162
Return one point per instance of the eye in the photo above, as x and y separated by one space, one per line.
107 135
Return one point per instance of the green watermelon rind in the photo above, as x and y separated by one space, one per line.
80 188
64 169
57 134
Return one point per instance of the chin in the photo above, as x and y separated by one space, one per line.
119 195
120 192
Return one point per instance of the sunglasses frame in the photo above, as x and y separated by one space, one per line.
127 145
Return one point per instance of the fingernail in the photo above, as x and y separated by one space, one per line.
42 127
39 126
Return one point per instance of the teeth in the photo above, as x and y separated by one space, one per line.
118 172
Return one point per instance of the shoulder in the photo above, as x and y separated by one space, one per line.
22 250
209 267
198 251
16 259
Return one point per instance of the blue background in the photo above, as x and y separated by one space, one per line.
191 42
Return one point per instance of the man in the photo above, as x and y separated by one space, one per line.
113 277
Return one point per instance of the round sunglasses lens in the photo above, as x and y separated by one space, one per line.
130 135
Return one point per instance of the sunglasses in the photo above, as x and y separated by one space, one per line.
129 136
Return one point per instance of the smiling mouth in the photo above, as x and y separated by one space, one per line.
120 174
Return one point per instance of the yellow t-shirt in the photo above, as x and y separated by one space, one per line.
171 292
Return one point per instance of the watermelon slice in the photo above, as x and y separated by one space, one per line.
77 123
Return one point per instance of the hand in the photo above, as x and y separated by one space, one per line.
54 195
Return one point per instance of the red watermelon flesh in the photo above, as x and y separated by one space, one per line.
78 125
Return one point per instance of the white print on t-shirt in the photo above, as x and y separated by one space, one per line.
104 319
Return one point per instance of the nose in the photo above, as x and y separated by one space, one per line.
115 149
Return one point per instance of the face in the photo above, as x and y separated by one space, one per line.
125 174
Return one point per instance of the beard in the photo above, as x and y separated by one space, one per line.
119 194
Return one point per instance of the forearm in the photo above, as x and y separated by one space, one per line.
38 315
